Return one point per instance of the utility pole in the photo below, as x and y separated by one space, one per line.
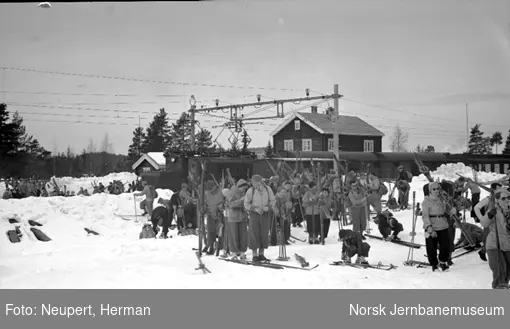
139 139
336 135
192 110
467 128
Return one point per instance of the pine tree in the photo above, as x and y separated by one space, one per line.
234 145
478 144
158 134
245 141
506 150
430 149
181 134
203 141
496 139
135 149
419 149
269 151
9 134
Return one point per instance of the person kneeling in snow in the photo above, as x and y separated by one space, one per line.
353 245
476 234
388 224
162 217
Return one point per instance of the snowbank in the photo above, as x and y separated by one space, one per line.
450 170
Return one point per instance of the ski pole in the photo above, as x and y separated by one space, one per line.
410 253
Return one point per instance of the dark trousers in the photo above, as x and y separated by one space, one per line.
327 223
386 230
273 230
313 225
297 218
161 214
443 240
353 250
475 198
501 270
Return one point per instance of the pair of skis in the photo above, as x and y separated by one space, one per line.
269 264
378 266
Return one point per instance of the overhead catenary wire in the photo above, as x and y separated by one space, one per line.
181 83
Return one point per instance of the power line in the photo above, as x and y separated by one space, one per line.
143 80
401 111
409 113
84 94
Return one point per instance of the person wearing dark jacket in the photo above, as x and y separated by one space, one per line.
160 217
389 226
353 245
403 180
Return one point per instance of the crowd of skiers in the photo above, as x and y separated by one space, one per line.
251 214
443 202
24 188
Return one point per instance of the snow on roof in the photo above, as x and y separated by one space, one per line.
159 157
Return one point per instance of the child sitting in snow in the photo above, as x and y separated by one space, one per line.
353 245
388 224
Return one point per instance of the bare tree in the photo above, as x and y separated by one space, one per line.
106 146
399 141
91 148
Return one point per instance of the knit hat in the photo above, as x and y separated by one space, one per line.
241 182
256 178
184 185
342 234
401 167
495 186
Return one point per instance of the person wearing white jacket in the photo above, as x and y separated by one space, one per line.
497 219
480 209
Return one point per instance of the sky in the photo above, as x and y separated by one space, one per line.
80 70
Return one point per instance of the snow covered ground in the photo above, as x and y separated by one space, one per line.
118 259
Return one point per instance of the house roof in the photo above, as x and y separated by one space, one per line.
346 125
156 159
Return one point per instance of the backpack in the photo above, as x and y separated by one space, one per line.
153 192
147 232
383 189
253 190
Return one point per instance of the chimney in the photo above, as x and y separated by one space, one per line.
314 109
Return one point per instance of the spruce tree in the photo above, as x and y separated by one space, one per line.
158 133
478 144
506 150
135 149
269 151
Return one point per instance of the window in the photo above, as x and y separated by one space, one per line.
306 145
331 146
368 146
505 168
288 145
146 169
488 168
297 125
497 168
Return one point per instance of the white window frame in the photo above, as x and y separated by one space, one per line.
287 143
331 144
306 145
297 125
146 169
368 146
